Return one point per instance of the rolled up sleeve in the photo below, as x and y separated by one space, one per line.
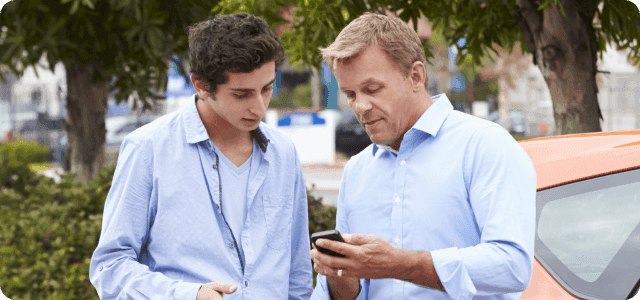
115 270
501 182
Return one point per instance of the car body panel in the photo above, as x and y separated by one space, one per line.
563 159
543 286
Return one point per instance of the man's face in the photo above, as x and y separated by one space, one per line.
243 100
378 93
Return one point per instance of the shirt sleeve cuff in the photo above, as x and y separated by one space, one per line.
453 273
187 290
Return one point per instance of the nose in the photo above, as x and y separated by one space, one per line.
362 104
259 105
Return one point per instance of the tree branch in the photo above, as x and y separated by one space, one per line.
527 28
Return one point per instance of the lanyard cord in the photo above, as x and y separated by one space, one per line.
235 243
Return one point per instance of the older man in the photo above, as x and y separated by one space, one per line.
442 204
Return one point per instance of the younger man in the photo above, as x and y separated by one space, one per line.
209 200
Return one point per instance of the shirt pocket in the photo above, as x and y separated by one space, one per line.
278 215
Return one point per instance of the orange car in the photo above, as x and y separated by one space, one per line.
587 216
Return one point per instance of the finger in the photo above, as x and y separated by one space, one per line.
358 239
342 248
322 269
332 263
224 288
206 292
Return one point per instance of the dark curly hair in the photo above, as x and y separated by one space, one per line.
238 43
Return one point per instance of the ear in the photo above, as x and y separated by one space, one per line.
200 86
418 75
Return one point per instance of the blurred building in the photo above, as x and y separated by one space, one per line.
525 102
619 92
33 107
6 107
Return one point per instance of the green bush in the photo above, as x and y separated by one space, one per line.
15 158
48 236
321 217
48 232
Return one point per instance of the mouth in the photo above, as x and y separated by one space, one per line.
251 120
369 123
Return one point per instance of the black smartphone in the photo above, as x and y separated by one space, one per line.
333 235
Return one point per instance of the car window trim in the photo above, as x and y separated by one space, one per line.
568 280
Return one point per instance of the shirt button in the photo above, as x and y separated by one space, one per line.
397 240
246 283
398 281
231 245
100 268
397 200
217 206
403 162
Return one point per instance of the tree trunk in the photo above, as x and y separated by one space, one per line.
85 126
564 47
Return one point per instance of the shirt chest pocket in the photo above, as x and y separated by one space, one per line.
278 216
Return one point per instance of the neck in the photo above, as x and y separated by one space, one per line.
423 102
220 131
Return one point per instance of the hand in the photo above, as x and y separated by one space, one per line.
367 256
214 290
340 288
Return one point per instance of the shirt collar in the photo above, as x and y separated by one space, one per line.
430 122
196 132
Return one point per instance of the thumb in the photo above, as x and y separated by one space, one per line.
356 239
224 288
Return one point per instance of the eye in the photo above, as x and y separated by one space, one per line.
372 90
267 88
241 96
350 95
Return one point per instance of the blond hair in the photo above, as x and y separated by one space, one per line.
395 37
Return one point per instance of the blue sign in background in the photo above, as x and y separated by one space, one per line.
300 119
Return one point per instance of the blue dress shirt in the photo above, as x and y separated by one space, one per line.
163 229
459 187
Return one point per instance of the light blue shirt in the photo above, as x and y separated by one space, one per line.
163 231
461 188
235 181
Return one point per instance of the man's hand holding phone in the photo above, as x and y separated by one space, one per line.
340 287
333 235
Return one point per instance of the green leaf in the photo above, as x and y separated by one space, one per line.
88 4
9 53
74 7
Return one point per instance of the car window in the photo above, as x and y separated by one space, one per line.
585 231
588 235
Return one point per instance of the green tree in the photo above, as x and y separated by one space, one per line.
564 36
107 46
